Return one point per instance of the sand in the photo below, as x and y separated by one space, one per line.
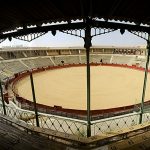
110 87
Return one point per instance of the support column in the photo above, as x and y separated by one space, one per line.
145 80
2 97
34 99
87 45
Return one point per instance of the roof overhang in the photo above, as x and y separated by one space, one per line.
66 15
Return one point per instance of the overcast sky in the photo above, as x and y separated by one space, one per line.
64 40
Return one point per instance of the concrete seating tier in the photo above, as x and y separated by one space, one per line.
60 60
9 67
38 62
15 66
129 60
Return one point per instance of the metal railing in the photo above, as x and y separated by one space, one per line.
115 123
53 122
75 126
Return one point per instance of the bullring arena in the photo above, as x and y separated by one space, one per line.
59 77
89 97
60 80
111 87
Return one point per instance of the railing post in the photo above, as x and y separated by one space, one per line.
2 97
145 80
34 99
87 46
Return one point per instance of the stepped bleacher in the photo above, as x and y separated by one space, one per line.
8 68
3 71
60 60
38 62
123 59
97 58
21 59
15 66
83 59
3 76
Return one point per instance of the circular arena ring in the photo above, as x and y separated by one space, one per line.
61 90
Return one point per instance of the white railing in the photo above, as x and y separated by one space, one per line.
75 126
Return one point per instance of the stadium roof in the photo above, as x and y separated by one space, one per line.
23 13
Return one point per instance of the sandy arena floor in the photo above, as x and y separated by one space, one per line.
110 87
